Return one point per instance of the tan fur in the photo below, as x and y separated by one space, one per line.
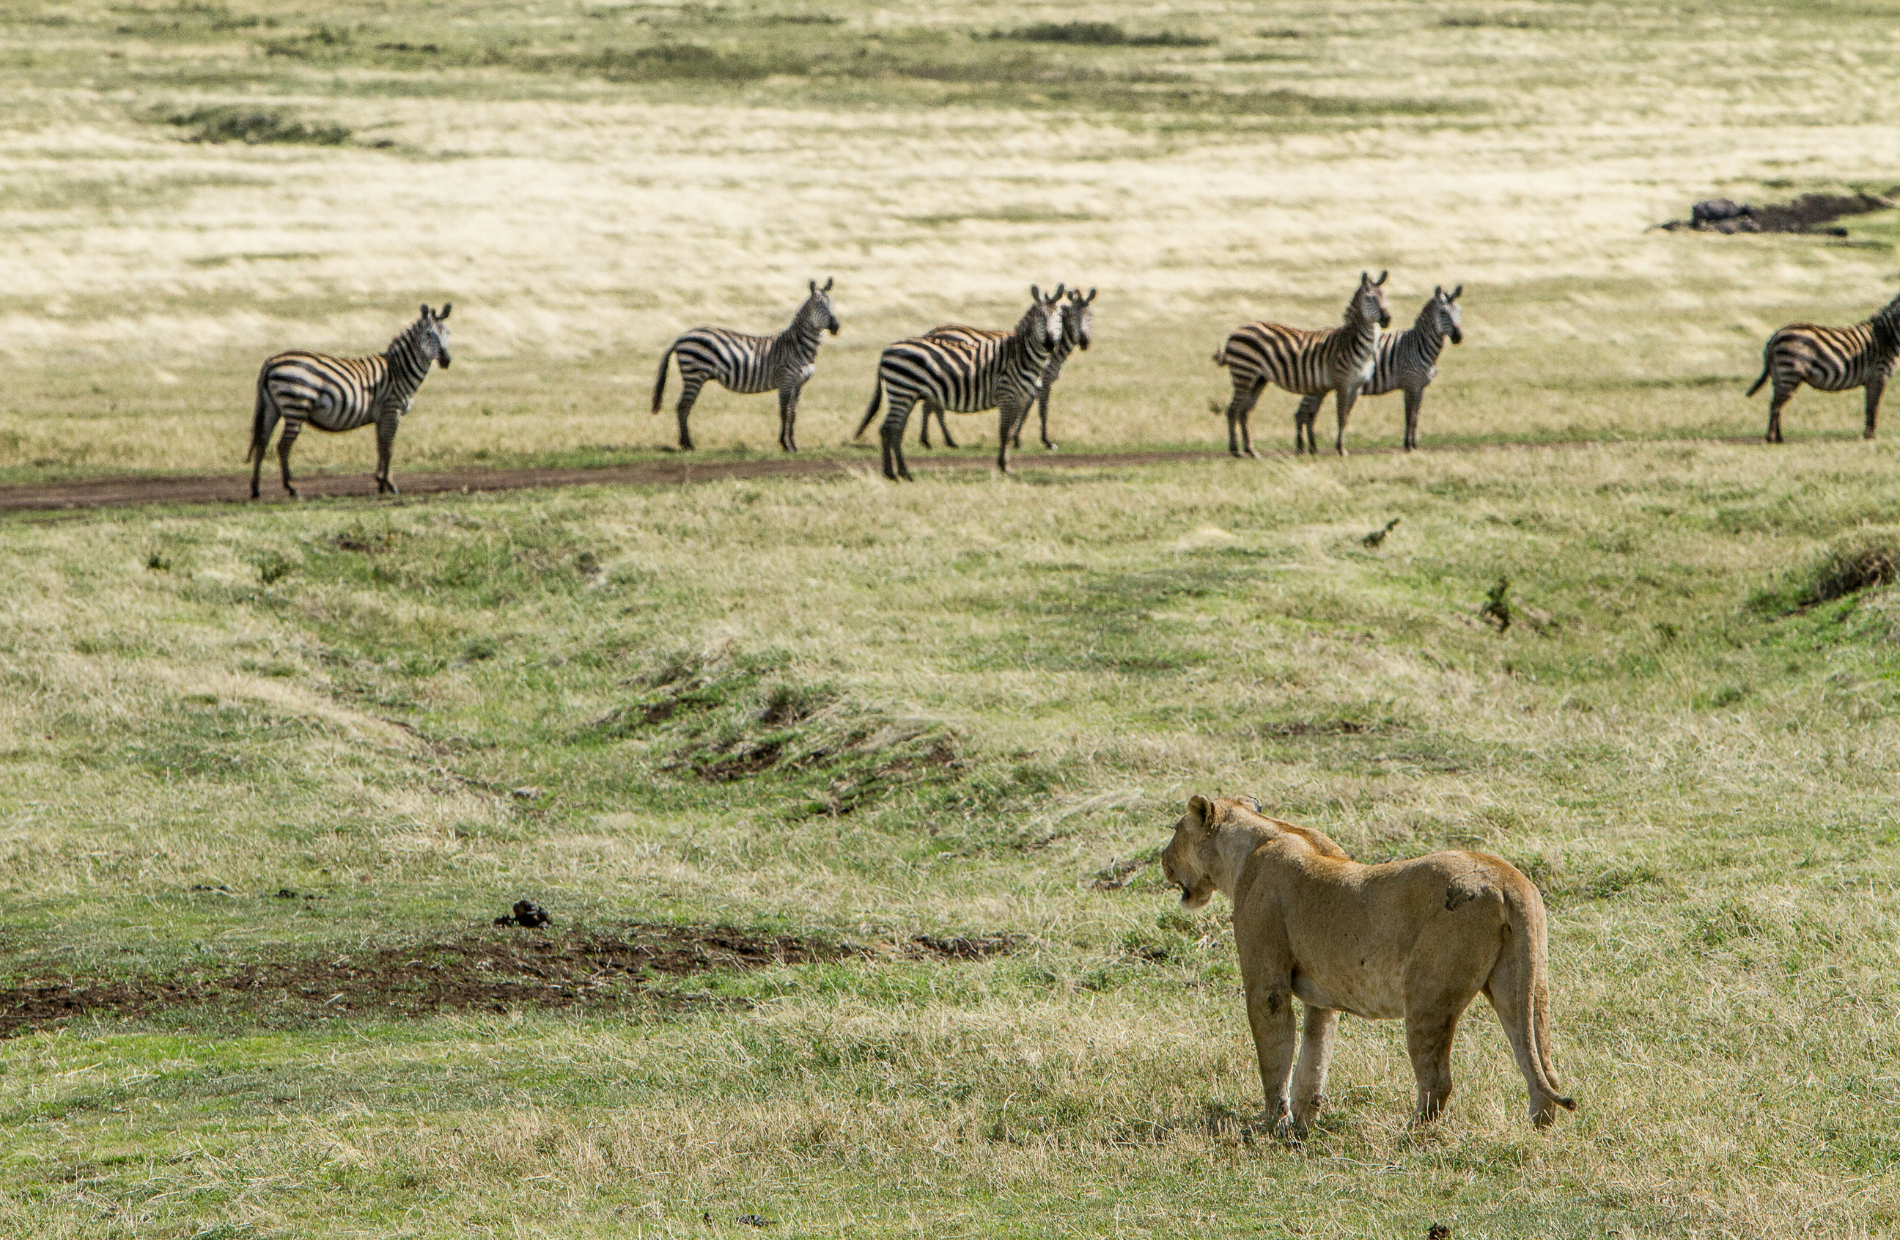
1414 939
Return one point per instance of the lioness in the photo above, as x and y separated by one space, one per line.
1415 939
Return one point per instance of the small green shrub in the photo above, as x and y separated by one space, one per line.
1100 34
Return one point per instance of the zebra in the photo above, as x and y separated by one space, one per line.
343 393
966 375
1407 359
1833 359
1305 362
1078 328
752 364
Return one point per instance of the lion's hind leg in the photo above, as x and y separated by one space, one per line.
1309 1074
1428 1038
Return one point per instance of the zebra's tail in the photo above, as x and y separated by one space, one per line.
659 381
1767 364
1220 356
877 398
260 426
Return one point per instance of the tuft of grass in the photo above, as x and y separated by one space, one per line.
255 126
1865 559
1100 34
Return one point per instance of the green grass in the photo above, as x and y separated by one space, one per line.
862 711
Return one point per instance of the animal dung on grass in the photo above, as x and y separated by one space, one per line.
526 913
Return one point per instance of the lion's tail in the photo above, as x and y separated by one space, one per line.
1520 988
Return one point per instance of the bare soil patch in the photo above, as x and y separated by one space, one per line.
483 970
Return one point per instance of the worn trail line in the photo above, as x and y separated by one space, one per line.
233 488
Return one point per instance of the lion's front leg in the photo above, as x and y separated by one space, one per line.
1316 1055
1270 1012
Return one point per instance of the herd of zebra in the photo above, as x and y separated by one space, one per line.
960 369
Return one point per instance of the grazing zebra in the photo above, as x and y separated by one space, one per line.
1307 363
343 393
1833 359
966 375
1407 359
752 364
1078 328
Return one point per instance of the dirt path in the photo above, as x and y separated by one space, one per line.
235 488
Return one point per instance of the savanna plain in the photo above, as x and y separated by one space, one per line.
846 797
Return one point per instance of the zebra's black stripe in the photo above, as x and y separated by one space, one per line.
752 364
343 393
1305 362
1406 360
966 375
1833 359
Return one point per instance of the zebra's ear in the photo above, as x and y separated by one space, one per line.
426 312
1035 292
1057 295
1089 298
446 307
814 285
1382 276
1457 292
828 280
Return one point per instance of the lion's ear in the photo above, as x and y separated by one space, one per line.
1201 810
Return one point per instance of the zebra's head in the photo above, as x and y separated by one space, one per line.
1041 324
1441 316
1368 303
432 338
1078 321
817 313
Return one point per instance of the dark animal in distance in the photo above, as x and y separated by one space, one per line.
1833 359
749 365
343 393
1306 363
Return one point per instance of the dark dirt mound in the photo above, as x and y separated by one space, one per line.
485 970
1810 213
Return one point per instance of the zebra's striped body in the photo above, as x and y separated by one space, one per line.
1078 328
749 365
1407 361
343 393
966 375
1306 363
1833 359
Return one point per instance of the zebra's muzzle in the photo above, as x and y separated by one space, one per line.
1457 337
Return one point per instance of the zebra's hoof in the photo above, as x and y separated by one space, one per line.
1050 446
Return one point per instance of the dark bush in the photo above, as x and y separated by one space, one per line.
255 126
1100 34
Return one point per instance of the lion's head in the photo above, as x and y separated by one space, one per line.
1183 862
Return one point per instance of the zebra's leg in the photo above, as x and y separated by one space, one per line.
1875 386
385 443
1414 400
944 426
1781 397
1042 409
787 417
1303 421
292 426
1343 399
263 447
923 432
892 436
1011 413
689 392
1233 419
1246 419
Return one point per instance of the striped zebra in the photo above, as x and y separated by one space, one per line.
966 375
749 365
343 393
1406 360
1078 328
1307 363
1833 359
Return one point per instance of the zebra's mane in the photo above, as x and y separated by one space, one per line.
1886 325
1354 316
407 336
